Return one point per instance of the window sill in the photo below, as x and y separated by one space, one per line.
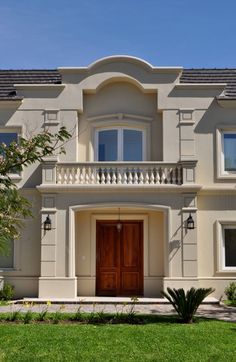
227 176
227 271
4 270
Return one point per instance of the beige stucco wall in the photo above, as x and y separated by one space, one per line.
26 270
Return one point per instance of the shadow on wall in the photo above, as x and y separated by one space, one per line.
174 246
35 178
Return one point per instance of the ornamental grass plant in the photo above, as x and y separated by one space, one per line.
186 303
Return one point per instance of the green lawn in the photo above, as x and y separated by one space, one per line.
163 341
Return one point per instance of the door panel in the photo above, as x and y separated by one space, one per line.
130 245
119 266
130 283
107 259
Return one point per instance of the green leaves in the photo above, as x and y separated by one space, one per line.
28 151
14 208
186 304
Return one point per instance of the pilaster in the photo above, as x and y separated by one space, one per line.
189 237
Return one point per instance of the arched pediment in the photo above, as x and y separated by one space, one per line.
121 59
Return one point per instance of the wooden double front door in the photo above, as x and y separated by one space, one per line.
119 258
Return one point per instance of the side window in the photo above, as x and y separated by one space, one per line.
226 152
229 247
7 138
229 151
7 261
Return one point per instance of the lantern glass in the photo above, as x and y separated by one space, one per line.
47 223
190 222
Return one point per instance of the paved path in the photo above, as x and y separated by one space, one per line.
215 311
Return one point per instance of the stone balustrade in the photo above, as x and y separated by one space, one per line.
119 173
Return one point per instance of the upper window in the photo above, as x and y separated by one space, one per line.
7 261
8 137
229 151
226 152
229 247
120 144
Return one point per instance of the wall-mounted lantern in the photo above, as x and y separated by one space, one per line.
190 222
47 225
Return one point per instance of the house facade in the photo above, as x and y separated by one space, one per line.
144 197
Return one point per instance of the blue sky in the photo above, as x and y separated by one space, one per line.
52 33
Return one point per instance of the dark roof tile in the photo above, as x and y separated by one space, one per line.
212 76
10 77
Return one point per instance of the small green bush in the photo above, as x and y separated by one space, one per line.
230 291
187 304
28 316
15 315
7 292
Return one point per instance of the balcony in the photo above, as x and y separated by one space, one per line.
119 173
162 175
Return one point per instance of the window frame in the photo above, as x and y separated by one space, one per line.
221 172
221 226
120 141
14 259
18 131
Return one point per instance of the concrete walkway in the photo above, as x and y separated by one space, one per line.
214 311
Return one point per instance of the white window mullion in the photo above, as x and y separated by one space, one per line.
120 144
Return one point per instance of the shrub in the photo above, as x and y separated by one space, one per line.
230 291
14 316
7 292
28 317
187 304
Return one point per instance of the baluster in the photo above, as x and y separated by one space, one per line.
76 179
103 178
158 175
81 176
59 179
141 178
130 178
168 176
147 177
135 177
173 176
65 179
70 179
152 177
114 178
119 177
125 177
92 178
87 175
98 175
62 175
163 176
108 176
